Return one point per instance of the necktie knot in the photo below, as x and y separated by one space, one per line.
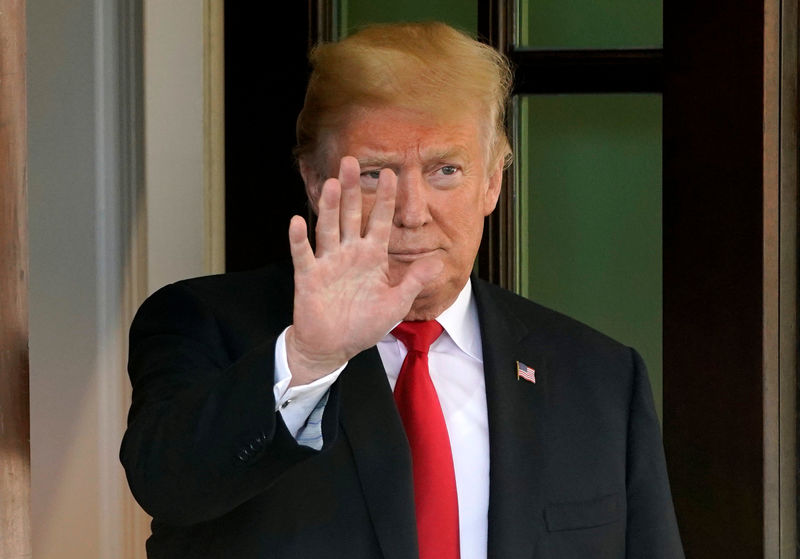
418 335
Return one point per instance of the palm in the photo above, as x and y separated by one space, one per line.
344 301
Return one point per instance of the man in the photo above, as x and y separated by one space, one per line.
282 414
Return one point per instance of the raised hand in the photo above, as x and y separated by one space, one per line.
344 301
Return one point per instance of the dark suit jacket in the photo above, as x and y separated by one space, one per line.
577 467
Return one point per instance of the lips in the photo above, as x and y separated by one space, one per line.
410 254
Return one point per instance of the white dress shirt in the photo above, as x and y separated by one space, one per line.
455 362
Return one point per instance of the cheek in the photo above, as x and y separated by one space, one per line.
468 217
464 212
462 225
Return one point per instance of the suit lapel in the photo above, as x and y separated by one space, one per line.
380 449
517 415
517 424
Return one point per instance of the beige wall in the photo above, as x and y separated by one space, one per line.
64 337
173 65
81 209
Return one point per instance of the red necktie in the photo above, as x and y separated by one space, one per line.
435 498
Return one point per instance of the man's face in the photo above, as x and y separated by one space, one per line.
444 191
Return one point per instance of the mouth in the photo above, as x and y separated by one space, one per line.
409 255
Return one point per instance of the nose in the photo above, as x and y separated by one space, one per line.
411 203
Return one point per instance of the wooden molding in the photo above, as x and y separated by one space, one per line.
498 250
135 523
787 320
323 22
770 274
214 133
15 525
780 145
587 71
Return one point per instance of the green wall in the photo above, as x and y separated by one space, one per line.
462 14
590 24
590 209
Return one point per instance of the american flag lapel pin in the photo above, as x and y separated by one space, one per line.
525 372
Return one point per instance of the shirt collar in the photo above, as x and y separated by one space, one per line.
460 321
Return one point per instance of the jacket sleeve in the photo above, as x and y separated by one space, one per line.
202 435
652 530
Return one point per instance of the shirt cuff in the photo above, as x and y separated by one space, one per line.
296 403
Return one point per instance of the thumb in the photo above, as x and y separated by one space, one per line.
419 274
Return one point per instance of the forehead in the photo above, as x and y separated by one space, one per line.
393 132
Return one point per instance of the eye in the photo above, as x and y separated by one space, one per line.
446 176
369 179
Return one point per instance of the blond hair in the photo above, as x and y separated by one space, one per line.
428 67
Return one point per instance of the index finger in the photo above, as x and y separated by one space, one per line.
350 212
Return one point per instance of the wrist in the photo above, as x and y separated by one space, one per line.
307 366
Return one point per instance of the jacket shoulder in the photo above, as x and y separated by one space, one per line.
536 317
242 307
233 289
550 327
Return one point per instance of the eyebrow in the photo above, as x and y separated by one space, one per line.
444 154
375 160
385 159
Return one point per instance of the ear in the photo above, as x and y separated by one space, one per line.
492 193
313 183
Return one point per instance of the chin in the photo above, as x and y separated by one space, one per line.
434 299
433 288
